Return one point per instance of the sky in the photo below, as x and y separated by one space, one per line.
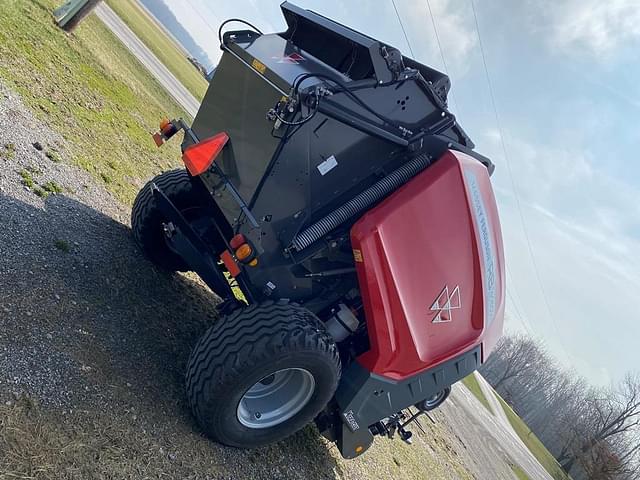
556 109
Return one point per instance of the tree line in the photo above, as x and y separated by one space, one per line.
594 432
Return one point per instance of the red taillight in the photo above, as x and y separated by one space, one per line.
230 263
243 250
199 157
237 240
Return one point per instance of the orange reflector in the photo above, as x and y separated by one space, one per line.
359 449
199 157
244 252
236 241
230 263
253 262
164 123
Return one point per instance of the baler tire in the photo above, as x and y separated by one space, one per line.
431 404
246 348
146 218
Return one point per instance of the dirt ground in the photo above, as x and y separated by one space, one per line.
94 341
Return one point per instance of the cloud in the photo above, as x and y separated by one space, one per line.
582 223
591 287
594 27
574 191
545 169
455 30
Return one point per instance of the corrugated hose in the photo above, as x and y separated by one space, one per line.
360 202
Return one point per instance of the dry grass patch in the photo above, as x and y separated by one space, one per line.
38 445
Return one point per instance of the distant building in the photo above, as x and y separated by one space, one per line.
199 66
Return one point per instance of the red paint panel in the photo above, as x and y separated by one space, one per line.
432 275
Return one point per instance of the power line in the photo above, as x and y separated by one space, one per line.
519 315
435 30
516 300
406 38
523 319
444 62
404 32
513 184
201 17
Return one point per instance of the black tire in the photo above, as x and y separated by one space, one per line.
147 220
434 402
241 350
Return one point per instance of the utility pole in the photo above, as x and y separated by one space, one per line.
71 13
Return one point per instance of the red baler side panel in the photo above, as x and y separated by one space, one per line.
430 266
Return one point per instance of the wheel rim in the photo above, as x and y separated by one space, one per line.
276 398
435 400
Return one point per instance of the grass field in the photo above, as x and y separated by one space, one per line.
91 90
162 46
471 382
533 443
519 473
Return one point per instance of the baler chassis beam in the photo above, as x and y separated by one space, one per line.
185 241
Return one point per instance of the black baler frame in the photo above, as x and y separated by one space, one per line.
190 246
186 241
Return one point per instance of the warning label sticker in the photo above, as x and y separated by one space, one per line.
259 66
293 58
328 165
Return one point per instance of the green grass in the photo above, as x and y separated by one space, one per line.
53 156
91 90
520 473
39 191
532 442
161 45
27 179
471 382
52 187
8 151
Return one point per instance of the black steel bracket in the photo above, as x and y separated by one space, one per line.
184 240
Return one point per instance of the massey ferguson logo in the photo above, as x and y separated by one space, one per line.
445 303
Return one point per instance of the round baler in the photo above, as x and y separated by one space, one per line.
334 204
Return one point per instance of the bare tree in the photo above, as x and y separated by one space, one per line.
514 357
613 417
593 433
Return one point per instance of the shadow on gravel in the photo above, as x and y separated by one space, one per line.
87 324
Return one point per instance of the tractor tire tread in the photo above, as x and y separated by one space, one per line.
176 185
247 337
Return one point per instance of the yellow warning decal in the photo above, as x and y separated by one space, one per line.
259 66
357 255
